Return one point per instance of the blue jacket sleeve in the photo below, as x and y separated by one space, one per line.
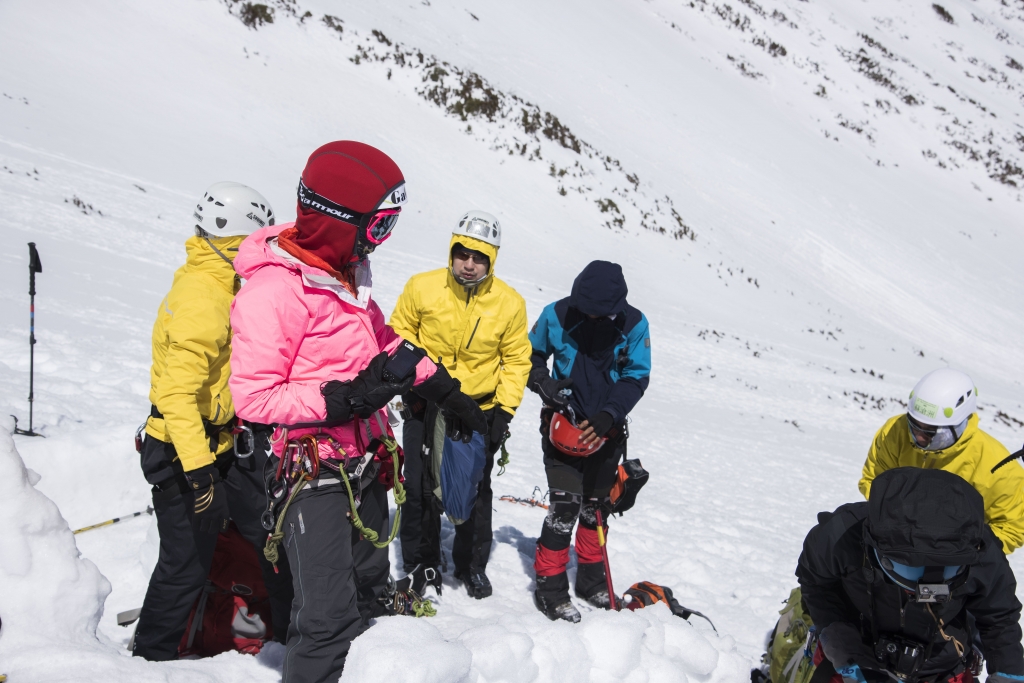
635 376
540 341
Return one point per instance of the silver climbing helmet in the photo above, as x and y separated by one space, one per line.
939 407
479 225
229 209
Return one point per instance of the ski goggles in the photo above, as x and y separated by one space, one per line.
381 224
932 438
374 226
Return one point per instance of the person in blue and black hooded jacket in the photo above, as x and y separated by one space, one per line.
601 349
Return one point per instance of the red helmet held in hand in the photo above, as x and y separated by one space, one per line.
566 436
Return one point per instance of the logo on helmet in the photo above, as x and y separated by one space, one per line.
317 206
925 408
259 221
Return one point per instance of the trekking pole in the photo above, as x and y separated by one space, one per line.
115 520
613 602
34 266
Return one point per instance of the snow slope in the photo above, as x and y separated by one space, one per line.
805 239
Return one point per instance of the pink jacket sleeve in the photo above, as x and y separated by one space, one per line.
269 320
388 340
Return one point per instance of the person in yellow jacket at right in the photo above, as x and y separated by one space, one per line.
475 325
940 431
199 481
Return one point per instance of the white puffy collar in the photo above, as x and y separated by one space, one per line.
318 279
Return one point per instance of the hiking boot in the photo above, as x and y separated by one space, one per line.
592 584
419 578
552 598
554 611
476 583
598 599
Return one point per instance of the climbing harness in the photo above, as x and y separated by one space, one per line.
300 464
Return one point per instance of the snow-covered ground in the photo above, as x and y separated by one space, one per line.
815 203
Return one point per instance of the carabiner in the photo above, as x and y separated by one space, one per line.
309 458
246 430
267 519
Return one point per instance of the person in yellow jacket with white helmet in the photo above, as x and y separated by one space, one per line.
940 431
188 456
476 326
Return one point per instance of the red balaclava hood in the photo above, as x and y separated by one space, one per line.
356 179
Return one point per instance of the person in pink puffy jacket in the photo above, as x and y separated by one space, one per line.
313 358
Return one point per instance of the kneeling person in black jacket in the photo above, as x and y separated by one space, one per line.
890 582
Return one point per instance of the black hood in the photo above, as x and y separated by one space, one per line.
599 290
924 517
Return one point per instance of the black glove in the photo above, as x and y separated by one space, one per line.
364 395
842 644
548 389
462 414
336 398
601 423
499 427
370 391
211 512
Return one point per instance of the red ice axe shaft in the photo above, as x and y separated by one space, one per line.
613 603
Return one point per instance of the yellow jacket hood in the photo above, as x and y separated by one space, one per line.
488 250
972 457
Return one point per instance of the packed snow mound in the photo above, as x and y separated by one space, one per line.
51 598
50 593
644 646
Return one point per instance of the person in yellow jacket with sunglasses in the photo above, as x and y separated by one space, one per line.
476 326
188 456
940 431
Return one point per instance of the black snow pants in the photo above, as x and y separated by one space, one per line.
577 488
185 556
336 576
421 514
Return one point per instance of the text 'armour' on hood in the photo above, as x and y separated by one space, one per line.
924 517
600 289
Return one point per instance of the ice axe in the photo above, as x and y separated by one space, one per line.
613 602
1008 459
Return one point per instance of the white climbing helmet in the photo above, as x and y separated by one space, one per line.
480 225
939 407
230 209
